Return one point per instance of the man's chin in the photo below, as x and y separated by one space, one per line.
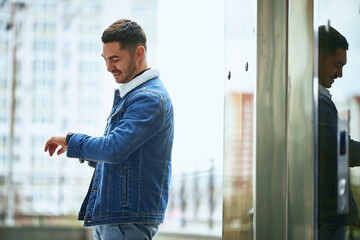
117 80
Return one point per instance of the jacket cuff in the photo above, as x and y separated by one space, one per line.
68 136
73 149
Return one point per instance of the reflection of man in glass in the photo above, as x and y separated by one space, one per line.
332 58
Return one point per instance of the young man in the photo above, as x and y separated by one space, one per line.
332 58
129 190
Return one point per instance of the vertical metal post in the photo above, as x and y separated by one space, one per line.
271 121
285 141
9 220
211 195
301 122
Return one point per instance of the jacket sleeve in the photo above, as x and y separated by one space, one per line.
143 118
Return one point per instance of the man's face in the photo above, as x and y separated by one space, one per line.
119 62
331 67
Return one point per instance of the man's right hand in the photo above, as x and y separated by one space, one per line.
53 143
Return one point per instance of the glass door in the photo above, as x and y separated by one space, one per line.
239 136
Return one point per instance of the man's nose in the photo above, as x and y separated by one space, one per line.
110 67
339 72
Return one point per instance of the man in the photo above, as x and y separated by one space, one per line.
332 58
129 190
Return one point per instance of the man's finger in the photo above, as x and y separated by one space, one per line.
53 143
47 145
61 150
52 148
51 151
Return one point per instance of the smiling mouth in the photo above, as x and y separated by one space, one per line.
116 74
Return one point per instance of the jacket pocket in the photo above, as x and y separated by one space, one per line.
124 188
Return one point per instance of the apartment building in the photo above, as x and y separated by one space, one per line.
61 86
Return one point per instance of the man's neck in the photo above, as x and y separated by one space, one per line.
142 67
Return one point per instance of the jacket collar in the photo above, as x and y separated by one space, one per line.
324 91
125 88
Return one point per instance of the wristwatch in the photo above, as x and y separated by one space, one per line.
68 136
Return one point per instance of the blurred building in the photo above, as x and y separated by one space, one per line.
239 149
61 86
238 168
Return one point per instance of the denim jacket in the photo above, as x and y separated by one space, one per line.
133 159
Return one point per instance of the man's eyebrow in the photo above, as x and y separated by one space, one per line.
111 57
340 62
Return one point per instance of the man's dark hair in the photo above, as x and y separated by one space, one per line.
330 40
128 33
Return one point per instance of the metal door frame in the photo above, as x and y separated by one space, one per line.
286 122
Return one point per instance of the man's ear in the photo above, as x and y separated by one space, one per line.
140 53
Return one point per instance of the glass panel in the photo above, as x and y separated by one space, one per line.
339 92
64 70
240 61
190 54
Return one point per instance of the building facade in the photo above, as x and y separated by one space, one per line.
61 86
